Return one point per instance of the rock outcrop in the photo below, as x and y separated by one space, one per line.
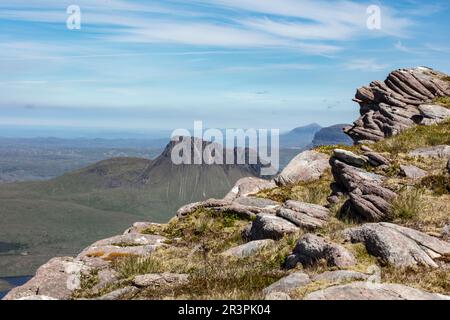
368 199
399 246
310 249
403 100
442 151
307 166
373 291
269 226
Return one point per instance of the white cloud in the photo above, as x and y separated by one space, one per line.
366 65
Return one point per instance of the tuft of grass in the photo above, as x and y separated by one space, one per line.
443 101
414 138
446 78
407 205
128 267
315 192
439 184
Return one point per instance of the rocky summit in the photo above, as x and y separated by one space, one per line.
363 222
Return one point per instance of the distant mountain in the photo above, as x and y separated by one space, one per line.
61 216
299 137
333 135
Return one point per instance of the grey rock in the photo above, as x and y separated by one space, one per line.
370 207
373 291
350 158
442 151
412 172
57 279
289 284
433 113
249 186
376 159
307 166
248 249
106 277
446 232
312 210
37 298
399 246
120 294
267 226
257 202
300 219
340 276
160 280
277 296
311 248
192 207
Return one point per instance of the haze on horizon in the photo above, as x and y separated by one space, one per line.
140 66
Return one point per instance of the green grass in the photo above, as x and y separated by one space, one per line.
439 184
416 137
443 101
407 205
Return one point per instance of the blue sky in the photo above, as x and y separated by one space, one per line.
145 65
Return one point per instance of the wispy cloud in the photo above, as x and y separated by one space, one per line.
366 65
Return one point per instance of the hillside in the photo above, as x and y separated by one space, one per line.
363 222
62 215
300 137
333 135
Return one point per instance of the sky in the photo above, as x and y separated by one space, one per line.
138 66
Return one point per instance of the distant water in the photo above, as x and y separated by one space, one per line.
14 282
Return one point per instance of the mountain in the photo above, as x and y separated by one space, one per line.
333 135
300 137
62 215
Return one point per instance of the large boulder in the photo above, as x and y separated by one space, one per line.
307 166
57 279
400 102
373 291
268 226
399 246
311 248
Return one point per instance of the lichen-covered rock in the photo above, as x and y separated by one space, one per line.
57 279
373 291
311 248
312 210
399 246
376 159
307 166
300 219
350 158
400 102
192 207
268 226
442 151
412 172
433 114
248 249
249 186
289 283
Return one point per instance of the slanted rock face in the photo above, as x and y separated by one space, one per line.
373 291
57 279
399 246
311 248
350 158
268 226
412 172
307 166
248 249
398 103
368 199
340 276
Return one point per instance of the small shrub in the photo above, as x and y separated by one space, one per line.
439 184
407 205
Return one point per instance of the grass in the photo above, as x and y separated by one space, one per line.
329 149
407 205
443 101
414 138
315 192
